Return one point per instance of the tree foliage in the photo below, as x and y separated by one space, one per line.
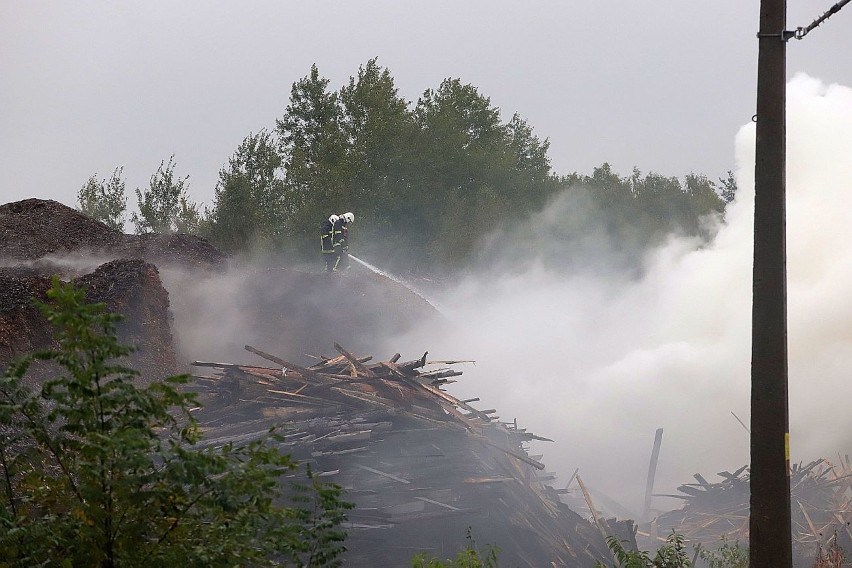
105 199
249 207
424 180
313 149
429 181
728 187
164 206
97 471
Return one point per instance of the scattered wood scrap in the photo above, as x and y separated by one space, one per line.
420 464
821 496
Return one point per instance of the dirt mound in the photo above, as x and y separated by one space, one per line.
35 228
128 287
187 251
22 326
133 289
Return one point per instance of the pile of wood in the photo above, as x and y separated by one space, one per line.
821 508
421 465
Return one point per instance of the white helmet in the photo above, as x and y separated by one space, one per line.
348 217
333 219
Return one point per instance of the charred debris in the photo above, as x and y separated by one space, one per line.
821 511
420 464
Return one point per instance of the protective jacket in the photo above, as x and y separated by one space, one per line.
329 236
341 235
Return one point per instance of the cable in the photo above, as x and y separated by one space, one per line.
802 32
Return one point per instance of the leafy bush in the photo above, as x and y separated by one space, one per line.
470 557
671 555
728 556
97 471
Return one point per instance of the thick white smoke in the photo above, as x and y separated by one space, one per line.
598 363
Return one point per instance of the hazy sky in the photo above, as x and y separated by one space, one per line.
662 85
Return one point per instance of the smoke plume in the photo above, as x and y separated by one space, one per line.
598 362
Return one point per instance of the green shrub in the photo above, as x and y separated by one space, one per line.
97 471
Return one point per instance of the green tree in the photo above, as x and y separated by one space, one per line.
457 128
188 219
728 187
104 200
249 208
97 471
313 150
378 127
477 173
611 220
164 206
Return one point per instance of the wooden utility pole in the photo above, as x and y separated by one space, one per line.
770 539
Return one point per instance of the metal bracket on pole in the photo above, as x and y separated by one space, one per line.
786 35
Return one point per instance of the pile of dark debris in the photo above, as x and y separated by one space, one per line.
421 465
821 497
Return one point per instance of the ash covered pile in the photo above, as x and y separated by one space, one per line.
421 465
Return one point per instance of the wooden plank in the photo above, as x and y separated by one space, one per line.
440 374
383 474
312 399
411 365
369 399
339 360
598 521
450 507
354 361
305 373
450 409
652 472
573 475
211 364
394 370
516 455
488 479
811 526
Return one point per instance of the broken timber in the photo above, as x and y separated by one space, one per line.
413 458
821 493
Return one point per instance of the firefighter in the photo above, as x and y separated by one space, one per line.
343 240
329 231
